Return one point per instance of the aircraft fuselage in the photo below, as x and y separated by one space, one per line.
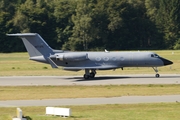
111 59
40 51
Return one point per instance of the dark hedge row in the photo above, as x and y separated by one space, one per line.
92 24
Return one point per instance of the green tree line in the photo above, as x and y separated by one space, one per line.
92 24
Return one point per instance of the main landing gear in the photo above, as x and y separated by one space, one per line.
156 70
88 74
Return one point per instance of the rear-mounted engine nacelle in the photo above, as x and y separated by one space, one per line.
72 56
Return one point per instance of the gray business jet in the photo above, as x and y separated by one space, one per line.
40 51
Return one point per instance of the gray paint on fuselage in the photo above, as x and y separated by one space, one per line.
118 59
40 51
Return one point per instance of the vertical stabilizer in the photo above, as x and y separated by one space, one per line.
35 45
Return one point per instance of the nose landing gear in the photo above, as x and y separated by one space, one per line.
156 70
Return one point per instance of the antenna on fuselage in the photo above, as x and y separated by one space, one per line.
106 50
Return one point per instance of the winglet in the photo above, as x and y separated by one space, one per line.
53 65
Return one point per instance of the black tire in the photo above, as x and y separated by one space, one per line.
157 75
86 76
92 75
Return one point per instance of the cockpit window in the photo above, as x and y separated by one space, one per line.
154 55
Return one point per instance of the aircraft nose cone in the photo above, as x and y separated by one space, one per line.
166 62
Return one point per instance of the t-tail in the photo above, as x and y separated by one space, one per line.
37 48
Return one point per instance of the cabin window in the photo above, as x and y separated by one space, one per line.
98 59
106 58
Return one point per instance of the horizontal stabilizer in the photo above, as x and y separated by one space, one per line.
22 34
35 44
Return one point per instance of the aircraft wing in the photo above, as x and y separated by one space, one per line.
93 67
76 68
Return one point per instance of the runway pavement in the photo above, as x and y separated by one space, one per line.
99 80
91 101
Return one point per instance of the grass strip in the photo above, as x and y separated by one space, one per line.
155 111
53 92
18 64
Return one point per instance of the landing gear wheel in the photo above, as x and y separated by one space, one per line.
92 75
86 76
157 75
156 70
